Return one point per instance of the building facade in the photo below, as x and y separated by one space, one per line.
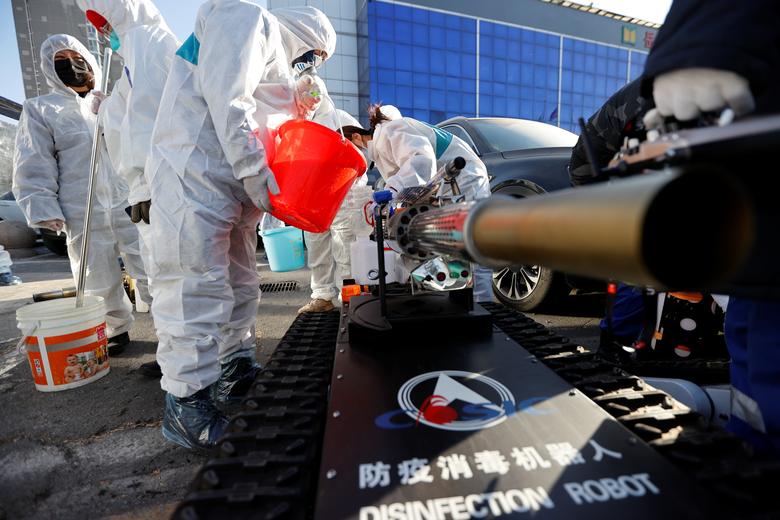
546 60
549 61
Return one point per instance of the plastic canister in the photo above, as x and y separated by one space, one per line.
365 267
66 346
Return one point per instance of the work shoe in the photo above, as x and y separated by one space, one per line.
193 422
151 370
234 382
118 343
9 279
317 305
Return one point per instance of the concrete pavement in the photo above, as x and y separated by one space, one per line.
96 451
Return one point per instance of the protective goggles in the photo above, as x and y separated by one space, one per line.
307 61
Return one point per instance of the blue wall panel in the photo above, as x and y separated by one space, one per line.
425 63
518 73
638 60
590 73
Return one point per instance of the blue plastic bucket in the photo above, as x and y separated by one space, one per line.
284 248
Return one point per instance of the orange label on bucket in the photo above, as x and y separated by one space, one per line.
36 366
71 357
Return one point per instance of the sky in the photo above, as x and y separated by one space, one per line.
180 15
650 10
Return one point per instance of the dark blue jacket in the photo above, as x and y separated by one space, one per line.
740 36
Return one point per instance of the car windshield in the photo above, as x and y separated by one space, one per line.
506 135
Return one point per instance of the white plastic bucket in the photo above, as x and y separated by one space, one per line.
66 347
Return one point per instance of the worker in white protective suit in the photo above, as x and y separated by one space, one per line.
409 153
51 173
228 89
329 258
139 34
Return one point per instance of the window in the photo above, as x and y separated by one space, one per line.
591 72
425 61
506 135
638 60
458 131
518 73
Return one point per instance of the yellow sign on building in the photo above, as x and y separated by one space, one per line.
629 35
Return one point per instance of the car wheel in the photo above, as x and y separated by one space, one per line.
55 244
527 287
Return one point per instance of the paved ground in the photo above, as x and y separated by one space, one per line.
96 451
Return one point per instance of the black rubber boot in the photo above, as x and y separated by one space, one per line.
193 422
234 381
118 343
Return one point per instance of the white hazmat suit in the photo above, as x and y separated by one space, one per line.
228 88
409 153
51 173
147 47
329 258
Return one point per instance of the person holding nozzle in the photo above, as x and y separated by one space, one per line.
693 69
409 153
329 254
51 179
228 90
138 33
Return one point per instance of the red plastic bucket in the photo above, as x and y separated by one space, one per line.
314 168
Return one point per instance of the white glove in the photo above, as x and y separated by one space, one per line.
258 186
54 224
308 94
686 93
97 98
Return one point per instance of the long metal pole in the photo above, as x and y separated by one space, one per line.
380 247
690 231
93 166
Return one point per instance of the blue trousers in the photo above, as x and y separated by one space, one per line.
627 313
753 340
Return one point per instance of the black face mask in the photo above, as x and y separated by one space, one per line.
306 63
74 72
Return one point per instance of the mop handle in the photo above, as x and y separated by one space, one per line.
93 164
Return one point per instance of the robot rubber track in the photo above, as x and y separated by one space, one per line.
268 463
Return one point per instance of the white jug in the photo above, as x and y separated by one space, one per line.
365 269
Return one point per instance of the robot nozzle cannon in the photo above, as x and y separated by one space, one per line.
689 230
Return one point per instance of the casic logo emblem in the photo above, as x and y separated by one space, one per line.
455 400
451 404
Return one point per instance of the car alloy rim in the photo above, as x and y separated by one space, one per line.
517 282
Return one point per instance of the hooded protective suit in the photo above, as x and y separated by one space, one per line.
51 172
147 47
305 29
229 87
408 153
329 258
